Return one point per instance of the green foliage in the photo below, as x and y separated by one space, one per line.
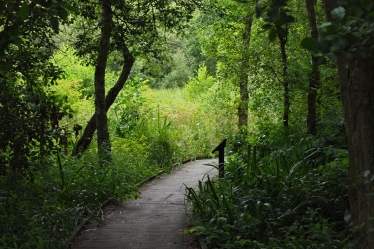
161 146
286 192
126 111
200 84
289 196
277 19
80 75
350 33
43 212
180 72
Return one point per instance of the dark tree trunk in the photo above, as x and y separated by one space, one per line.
314 83
357 94
42 139
286 84
243 76
90 129
103 140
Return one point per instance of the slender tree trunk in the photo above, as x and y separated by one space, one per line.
357 94
90 129
42 139
103 140
243 77
314 83
286 84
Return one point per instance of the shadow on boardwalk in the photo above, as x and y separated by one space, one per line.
156 220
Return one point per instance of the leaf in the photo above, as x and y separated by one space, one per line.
321 60
288 19
366 173
308 43
338 44
347 215
272 34
355 12
323 25
323 44
351 20
332 56
338 13
332 37
332 29
24 11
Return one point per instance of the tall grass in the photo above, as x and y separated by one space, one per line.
197 126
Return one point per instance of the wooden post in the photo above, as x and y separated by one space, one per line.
221 158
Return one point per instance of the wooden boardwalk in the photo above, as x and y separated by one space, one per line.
156 220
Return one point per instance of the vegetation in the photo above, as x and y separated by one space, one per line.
280 194
97 96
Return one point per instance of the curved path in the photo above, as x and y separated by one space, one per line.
156 220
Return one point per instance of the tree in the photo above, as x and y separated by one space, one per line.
243 75
314 83
103 140
227 36
85 140
277 21
136 27
29 115
348 38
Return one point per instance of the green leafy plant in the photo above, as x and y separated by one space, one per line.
288 197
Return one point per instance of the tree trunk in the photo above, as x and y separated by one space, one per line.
286 85
357 94
103 140
243 76
314 83
90 129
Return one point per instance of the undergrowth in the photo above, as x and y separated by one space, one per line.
42 210
151 131
290 195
